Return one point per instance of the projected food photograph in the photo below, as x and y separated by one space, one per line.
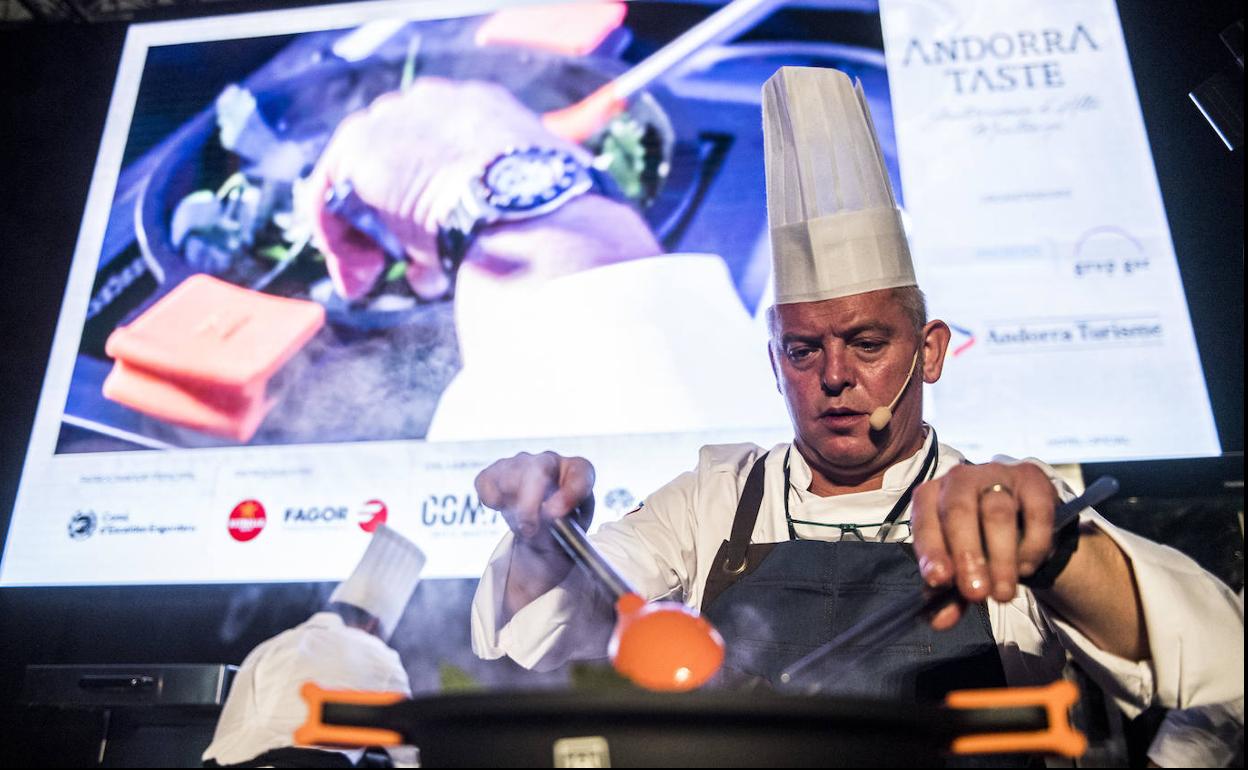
374 233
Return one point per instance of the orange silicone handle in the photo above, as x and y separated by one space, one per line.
314 732
1060 738
580 121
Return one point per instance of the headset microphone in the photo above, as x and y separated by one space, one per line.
882 415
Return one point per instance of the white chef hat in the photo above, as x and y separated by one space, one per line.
835 227
384 579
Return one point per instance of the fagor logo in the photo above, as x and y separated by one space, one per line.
319 518
372 515
316 516
247 521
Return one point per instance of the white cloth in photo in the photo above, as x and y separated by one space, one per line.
1194 622
264 707
655 345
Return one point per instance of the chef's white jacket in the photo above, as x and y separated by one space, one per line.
1204 736
264 707
1194 622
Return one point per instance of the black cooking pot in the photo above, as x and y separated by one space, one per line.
644 729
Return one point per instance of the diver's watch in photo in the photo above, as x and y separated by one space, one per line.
519 184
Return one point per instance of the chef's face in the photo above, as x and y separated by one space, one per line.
837 360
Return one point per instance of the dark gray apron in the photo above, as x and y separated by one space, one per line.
776 602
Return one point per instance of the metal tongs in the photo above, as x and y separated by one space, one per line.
883 624
663 646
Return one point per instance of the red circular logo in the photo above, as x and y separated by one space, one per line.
246 520
372 515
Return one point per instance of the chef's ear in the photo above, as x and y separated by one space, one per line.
936 336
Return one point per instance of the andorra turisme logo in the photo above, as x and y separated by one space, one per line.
963 339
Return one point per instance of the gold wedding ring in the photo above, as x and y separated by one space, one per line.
998 487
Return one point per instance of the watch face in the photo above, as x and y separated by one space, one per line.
532 180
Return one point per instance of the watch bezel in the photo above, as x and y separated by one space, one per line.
500 206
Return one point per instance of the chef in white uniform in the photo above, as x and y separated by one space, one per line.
341 648
849 335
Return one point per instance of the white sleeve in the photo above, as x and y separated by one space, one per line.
230 739
393 676
1194 622
1205 736
1195 627
652 548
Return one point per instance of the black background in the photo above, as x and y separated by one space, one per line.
55 83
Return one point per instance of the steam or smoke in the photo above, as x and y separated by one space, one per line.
262 611
435 631
750 645
755 652
240 613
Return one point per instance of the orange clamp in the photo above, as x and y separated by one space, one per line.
1059 738
314 732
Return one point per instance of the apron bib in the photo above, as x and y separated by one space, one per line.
776 602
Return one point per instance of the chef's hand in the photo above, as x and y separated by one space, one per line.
410 155
982 527
531 491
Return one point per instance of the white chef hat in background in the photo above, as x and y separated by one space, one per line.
384 579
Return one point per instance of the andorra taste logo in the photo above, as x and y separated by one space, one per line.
247 520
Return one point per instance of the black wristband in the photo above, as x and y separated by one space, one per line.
1065 543
583 514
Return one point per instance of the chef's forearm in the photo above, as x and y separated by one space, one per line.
530 574
1097 593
